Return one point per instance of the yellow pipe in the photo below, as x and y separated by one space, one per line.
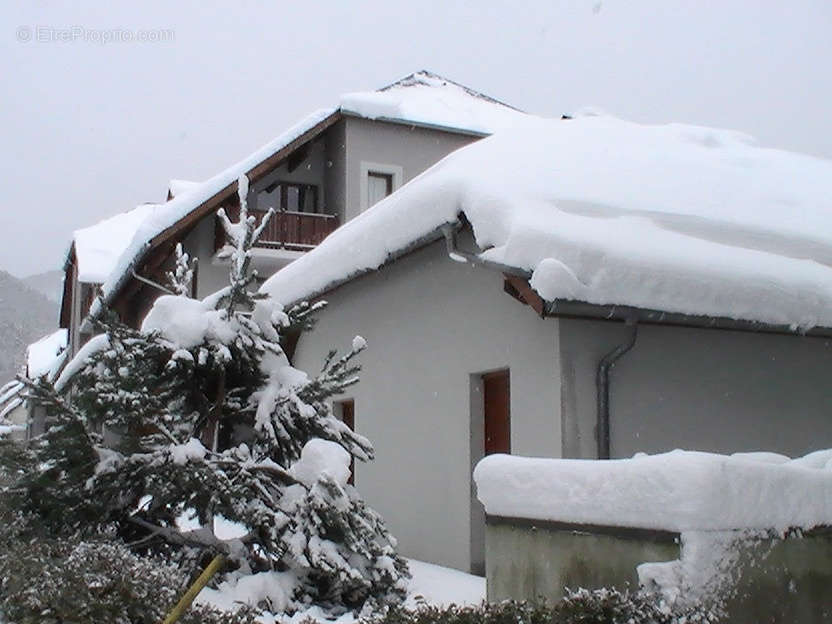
190 595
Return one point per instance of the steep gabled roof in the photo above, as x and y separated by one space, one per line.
46 356
422 98
675 218
429 100
95 251
98 247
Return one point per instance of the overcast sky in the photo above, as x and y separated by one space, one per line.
89 129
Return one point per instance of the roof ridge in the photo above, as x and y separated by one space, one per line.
413 79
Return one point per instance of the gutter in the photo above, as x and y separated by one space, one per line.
602 388
449 231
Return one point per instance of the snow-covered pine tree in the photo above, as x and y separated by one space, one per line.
200 413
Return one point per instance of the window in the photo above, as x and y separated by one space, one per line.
378 181
289 196
379 186
345 410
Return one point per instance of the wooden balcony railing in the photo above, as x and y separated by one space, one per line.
297 231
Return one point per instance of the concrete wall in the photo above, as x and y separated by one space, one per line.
531 560
432 326
758 580
701 389
412 148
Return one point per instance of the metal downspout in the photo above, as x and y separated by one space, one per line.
602 386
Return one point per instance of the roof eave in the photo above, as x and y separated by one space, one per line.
257 171
418 124
567 308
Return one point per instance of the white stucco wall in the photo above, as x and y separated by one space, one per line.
431 324
412 148
698 389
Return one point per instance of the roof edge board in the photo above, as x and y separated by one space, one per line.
568 308
416 124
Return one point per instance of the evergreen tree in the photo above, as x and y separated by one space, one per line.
201 413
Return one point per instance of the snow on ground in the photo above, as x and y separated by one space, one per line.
676 491
99 246
432 100
441 586
431 584
671 217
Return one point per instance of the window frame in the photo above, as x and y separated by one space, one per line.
396 172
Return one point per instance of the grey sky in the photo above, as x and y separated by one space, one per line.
91 129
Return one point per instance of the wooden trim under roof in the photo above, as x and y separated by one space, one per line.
214 202
254 174
65 314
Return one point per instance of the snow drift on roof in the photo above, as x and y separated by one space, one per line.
428 99
673 217
676 491
178 187
45 356
99 246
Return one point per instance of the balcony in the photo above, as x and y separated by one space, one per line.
289 230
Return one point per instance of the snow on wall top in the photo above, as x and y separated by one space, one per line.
99 246
45 356
425 98
676 491
670 217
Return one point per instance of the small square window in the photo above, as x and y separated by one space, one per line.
379 186
378 180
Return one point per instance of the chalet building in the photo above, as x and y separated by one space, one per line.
578 288
318 175
585 288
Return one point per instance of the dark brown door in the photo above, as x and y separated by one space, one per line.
348 417
496 401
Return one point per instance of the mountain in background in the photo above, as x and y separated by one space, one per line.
25 316
50 284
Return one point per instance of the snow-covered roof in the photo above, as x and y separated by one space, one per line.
9 391
45 356
8 409
421 98
676 491
427 99
170 213
677 218
98 247
178 187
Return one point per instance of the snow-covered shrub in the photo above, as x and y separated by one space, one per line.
73 581
601 606
200 414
